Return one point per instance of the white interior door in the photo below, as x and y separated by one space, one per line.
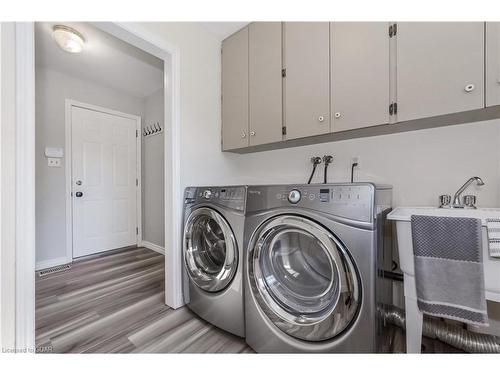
104 171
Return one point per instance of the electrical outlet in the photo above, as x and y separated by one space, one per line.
54 162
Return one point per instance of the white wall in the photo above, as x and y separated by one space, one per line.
153 203
7 186
200 98
420 165
52 88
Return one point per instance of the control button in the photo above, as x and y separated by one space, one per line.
294 196
311 197
207 194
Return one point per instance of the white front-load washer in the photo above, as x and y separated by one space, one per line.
213 255
312 259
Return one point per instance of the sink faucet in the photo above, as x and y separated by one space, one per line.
470 181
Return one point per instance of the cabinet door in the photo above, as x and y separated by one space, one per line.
265 94
440 68
307 81
492 63
360 74
235 91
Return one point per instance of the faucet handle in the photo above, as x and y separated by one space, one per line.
469 201
444 201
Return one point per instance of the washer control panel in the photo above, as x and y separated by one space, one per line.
231 197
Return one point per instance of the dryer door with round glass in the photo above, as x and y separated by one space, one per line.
210 250
303 278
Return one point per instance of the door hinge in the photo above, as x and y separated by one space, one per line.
137 230
393 30
283 73
393 109
136 182
283 130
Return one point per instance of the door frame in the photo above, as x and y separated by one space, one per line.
69 104
23 86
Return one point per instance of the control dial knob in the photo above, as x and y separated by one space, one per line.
207 194
294 196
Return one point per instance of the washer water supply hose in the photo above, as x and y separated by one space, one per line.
453 335
327 160
315 160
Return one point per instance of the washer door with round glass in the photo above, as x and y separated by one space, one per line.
303 278
210 250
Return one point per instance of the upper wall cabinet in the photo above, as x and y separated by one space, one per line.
440 68
265 81
492 63
359 74
306 47
235 91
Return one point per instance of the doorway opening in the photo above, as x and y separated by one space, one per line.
95 111
25 156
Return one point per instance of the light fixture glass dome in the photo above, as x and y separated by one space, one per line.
68 39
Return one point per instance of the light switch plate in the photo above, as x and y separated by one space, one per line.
54 162
54 152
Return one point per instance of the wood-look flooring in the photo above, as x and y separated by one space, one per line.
114 303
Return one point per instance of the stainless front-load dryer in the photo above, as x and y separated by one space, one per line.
313 252
212 255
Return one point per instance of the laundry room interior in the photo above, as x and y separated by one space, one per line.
250 187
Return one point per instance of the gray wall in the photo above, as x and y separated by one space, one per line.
52 88
153 207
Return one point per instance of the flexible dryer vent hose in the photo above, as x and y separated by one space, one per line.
456 336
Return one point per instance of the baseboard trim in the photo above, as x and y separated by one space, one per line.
51 263
152 246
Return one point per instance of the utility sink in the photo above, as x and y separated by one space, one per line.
402 217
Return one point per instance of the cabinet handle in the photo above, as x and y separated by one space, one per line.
337 115
252 133
321 119
470 87
243 135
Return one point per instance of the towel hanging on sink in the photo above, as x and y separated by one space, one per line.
449 268
493 226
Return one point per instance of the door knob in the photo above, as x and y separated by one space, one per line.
79 194
79 182
252 133
337 115
243 135
470 87
321 119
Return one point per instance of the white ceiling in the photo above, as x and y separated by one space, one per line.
221 30
105 60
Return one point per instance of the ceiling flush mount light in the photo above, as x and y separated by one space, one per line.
68 38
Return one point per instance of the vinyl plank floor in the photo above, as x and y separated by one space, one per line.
114 303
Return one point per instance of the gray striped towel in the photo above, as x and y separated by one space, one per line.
449 268
493 226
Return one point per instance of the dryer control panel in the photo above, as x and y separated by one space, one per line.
354 201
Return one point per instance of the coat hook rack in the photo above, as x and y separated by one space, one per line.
153 129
